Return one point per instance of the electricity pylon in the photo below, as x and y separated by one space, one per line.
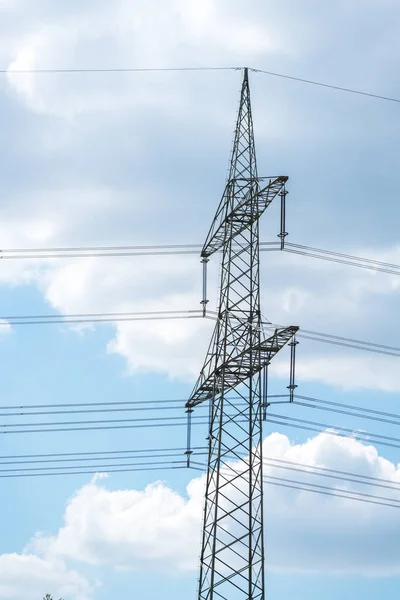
232 552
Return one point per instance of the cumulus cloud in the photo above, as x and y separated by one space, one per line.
30 576
158 528
348 372
148 169
327 299
155 527
139 31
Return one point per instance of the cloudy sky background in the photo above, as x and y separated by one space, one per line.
107 158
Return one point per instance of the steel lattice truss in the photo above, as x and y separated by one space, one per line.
232 553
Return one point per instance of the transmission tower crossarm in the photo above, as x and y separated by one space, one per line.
239 367
237 208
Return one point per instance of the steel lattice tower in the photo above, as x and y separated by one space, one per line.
232 553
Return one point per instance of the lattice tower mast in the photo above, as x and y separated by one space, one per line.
232 552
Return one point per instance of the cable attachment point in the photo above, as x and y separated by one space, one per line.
189 436
265 403
283 193
292 386
204 301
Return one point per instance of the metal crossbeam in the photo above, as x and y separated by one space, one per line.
238 368
232 553
237 193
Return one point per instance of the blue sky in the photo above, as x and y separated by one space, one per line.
141 158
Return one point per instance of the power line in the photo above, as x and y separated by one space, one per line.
167 405
337 427
118 455
354 263
179 421
362 346
177 405
355 495
100 315
101 467
5 426
101 254
194 69
342 405
342 255
110 251
334 430
193 249
111 402
96 453
99 427
169 464
349 342
104 248
328 85
324 490
103 318
118 70
317 471
332 474
181 465
129 456
145 408
330 493
395 420
90 411
111 317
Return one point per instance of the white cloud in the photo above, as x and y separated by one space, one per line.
328 299
77 206
138 34
157 528
130 528
348 372
30 577
177 348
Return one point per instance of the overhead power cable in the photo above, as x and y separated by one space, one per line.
98 459
351 411
177 402
317 471
166 453
346 342
324 490
349 493
332 492
327 85
371 261
91 471
117 70
179 421
327 492
312 82
111 317
97 453
335 430
167 463
177 405
371 411
336 257
192 249
180 402
332 474
109 251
